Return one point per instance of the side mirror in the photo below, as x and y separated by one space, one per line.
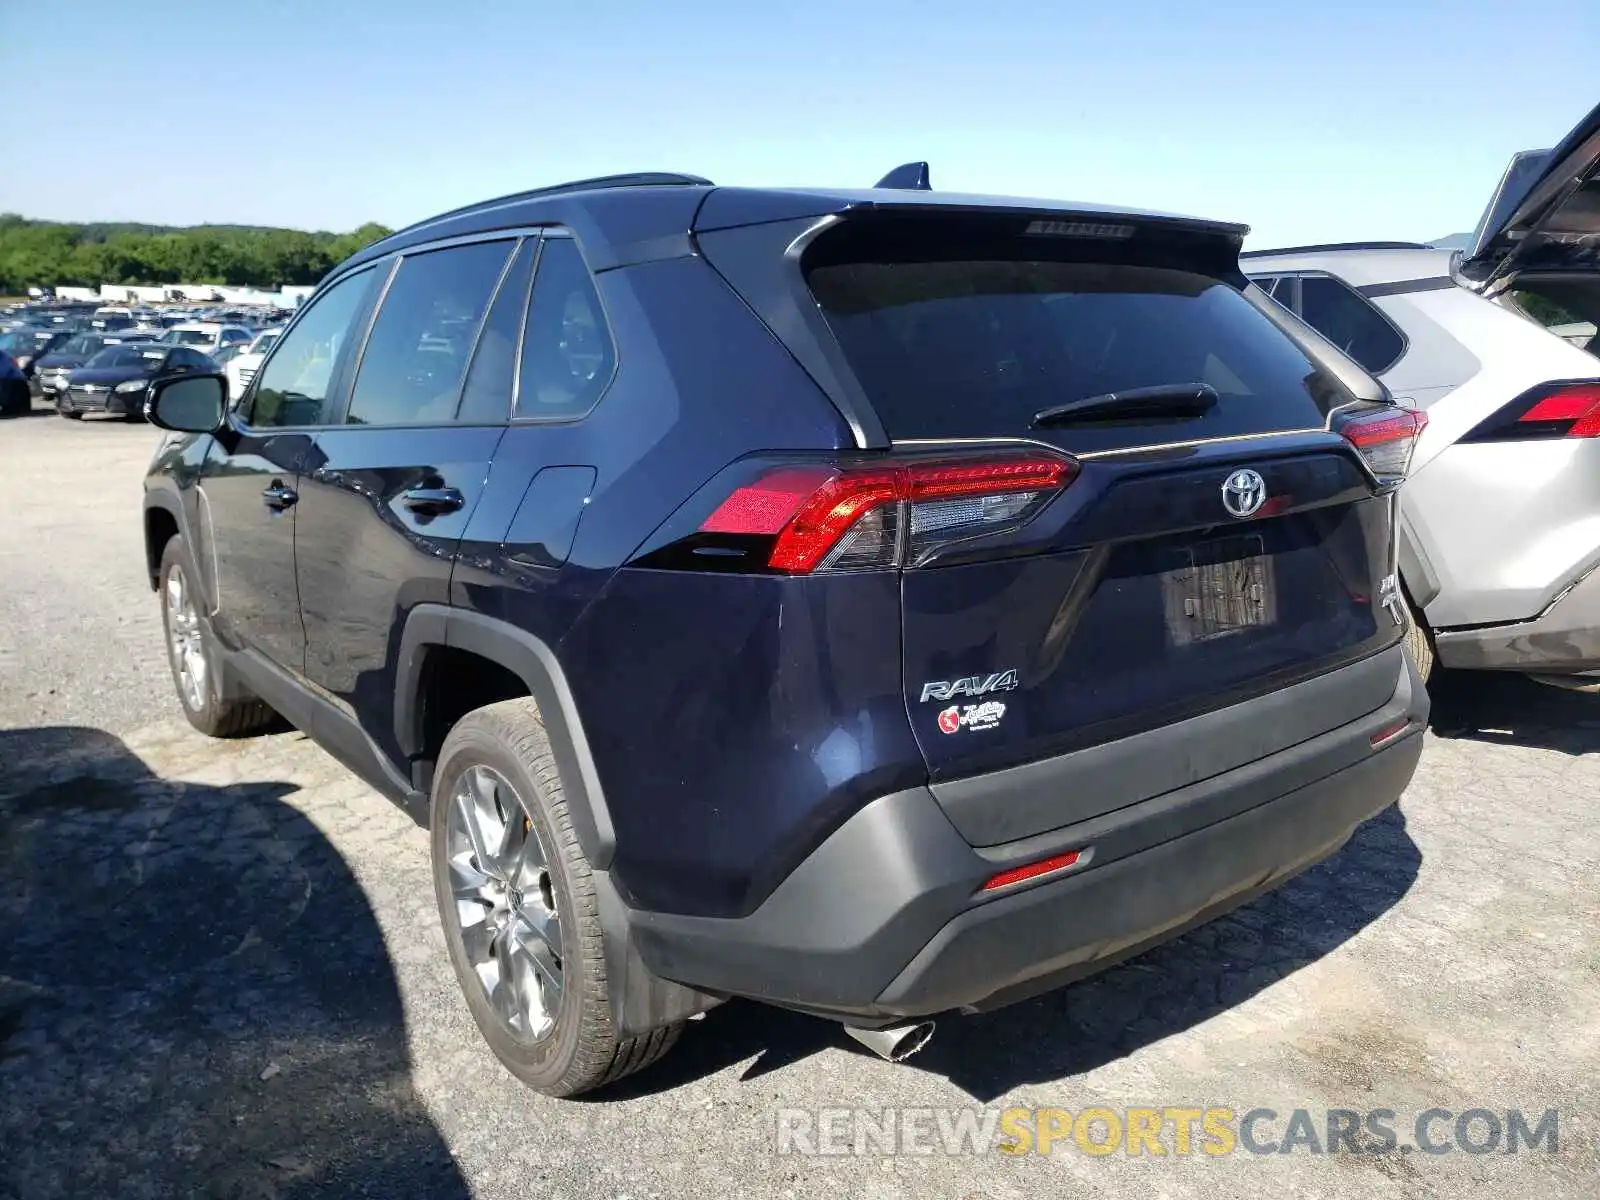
188 403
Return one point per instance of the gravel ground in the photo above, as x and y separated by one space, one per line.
221 973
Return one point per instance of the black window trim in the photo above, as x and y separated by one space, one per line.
1361 296
522 331
342 381
349 385
536 241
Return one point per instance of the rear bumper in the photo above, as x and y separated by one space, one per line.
884 919
1562 640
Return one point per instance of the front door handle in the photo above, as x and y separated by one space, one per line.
277 497
432 501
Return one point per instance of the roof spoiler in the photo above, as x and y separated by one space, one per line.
907 177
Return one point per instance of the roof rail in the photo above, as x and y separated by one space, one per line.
1339 246
907 177
635 179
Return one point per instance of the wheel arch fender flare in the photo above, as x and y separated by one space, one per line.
535 663
166 501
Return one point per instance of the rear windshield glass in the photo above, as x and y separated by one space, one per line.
971 336
186 337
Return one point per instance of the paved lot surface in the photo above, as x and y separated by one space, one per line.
221 975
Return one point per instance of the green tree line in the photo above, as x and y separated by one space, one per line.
48 253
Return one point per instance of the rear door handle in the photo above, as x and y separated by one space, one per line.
277 497
432 501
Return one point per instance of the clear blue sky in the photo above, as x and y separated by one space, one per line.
1309 123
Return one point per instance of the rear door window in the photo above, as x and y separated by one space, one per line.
963 338
416 355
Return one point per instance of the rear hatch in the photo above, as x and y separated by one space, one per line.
1210 542
1544 215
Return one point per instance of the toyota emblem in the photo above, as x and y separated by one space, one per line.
1244 493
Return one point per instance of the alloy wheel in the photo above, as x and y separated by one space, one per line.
505 902
184 642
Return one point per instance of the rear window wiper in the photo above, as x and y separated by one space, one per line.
1164 400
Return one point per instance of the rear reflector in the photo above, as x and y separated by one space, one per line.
1033 870
1386 439
1390 732
887 514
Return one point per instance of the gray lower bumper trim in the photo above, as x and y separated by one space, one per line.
883 918
1564 639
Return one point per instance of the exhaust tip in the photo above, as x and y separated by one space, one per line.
897 1043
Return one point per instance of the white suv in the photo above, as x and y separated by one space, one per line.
242 367
1500 526
206 336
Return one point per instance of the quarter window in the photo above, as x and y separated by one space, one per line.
1349 322
416 355
567 352
293 385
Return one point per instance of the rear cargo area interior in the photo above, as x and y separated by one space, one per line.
1568 306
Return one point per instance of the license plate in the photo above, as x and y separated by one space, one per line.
1222 588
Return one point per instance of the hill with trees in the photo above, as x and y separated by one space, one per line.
48 253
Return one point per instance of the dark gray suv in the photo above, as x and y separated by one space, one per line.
878 603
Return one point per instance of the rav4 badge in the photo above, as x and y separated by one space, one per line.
972 685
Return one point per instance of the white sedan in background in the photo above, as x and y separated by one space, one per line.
242 367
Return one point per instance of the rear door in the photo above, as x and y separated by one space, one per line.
392 483
1216 543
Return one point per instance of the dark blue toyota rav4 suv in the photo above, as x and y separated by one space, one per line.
879 603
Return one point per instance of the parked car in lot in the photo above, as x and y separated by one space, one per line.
1500 531
242 367
51 370
117 380
15 399
205 336
874 602
28 344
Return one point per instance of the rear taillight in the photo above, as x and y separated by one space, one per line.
1551 410
886 514
1571 412
1385 438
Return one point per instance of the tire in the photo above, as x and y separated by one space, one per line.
1419 642
578 1049
203 703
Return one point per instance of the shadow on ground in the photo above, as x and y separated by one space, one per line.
1513 710
1160 993
195 999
